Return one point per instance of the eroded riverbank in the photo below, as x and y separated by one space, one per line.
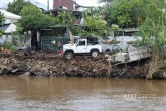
54 66
80 66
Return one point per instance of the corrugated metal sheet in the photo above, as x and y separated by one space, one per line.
138 53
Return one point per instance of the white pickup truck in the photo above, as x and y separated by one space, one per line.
82 46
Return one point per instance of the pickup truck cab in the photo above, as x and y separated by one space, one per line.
82 46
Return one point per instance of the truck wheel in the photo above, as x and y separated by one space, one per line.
69 55
95 53
21 53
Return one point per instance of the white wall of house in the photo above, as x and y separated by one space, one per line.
9 20
80 9
3 38
124 39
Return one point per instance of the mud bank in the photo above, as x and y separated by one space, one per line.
77 67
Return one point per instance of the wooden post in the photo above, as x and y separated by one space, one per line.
109 68
109 64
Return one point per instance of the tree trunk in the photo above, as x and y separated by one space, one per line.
153 65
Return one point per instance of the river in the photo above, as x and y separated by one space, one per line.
81 94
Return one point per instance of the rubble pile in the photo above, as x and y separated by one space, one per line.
53 66
81 66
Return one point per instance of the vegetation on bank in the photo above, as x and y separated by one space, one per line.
1 22
146 15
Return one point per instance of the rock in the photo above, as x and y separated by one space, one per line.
72 71
164 75
14 71
1 72
46 72
50 72
63 74
2 60
27 74
14 61
22 67
5 62
2 67
84 75
75 69
158 75
124 69
35 69
42 74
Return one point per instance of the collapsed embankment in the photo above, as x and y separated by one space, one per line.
77 67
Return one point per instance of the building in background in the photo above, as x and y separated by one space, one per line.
68 4
7 26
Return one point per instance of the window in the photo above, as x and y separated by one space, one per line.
116 48
81 43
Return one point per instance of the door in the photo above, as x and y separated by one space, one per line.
81 46
116 49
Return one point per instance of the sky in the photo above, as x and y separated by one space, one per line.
80 2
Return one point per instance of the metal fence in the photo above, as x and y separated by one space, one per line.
47 45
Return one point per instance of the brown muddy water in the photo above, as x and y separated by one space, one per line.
81 94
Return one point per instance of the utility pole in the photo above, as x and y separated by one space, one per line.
47 5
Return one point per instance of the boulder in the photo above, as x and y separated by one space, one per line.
26 74
72 71
14 71
164 75
158 74
35 69
2 67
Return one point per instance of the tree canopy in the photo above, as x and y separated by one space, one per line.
133 13
105 1
1 22
16 6
96 25
64 18
32 17
1 18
